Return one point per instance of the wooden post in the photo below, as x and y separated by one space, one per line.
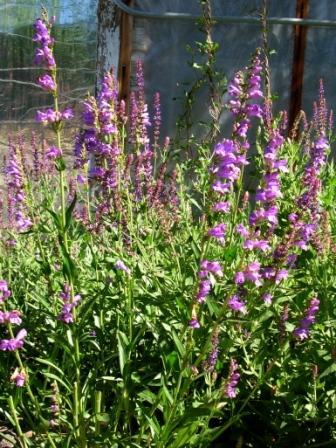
125 53
300 35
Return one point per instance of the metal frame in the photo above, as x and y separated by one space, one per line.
225 19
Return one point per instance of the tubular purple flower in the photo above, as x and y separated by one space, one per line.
193 323
218 232
210 363
15 343
47 82
4 291
203 291
10 317
233 379
19 377
236 304
302 332
120 265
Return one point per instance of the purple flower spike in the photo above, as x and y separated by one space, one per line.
231 387
203 291
4 291
119 264
302 332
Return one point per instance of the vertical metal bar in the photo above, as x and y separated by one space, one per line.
125 53
300 35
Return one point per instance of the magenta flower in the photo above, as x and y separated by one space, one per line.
15 343
221 207
218 232
47 82
53 152
211 266
12 317
302 332
4 291
193 323
203 291
19 377
236 304
231 387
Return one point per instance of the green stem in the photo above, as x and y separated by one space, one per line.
17 423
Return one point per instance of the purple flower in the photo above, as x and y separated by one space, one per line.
19 377
252 273
231 387
242 230
267 298
239 278
53 152
218 232
210 363
69 303
193 323
119 264
203 291
12 317
221 207
281 274
47 82
302 332
15 343
4 291
221 187
212 266
236 304
67 113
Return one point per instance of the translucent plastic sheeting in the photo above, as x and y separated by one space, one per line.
161 44
320 56
75 51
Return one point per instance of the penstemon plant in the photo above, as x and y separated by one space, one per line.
141 309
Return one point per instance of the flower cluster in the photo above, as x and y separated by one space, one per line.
44 53
69 303
206 279
233 379
302 332
16 194
47 81
10 318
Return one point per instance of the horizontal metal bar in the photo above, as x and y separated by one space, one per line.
225 19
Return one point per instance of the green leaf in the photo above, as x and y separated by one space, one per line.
68 213
328 371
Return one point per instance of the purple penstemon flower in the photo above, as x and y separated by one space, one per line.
218 232
302 332
236 304
14 343
4 291
47 82
233 379
10 317
69 303
121 266
19 377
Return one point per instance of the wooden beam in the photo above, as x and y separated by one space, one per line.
125 53
300 36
